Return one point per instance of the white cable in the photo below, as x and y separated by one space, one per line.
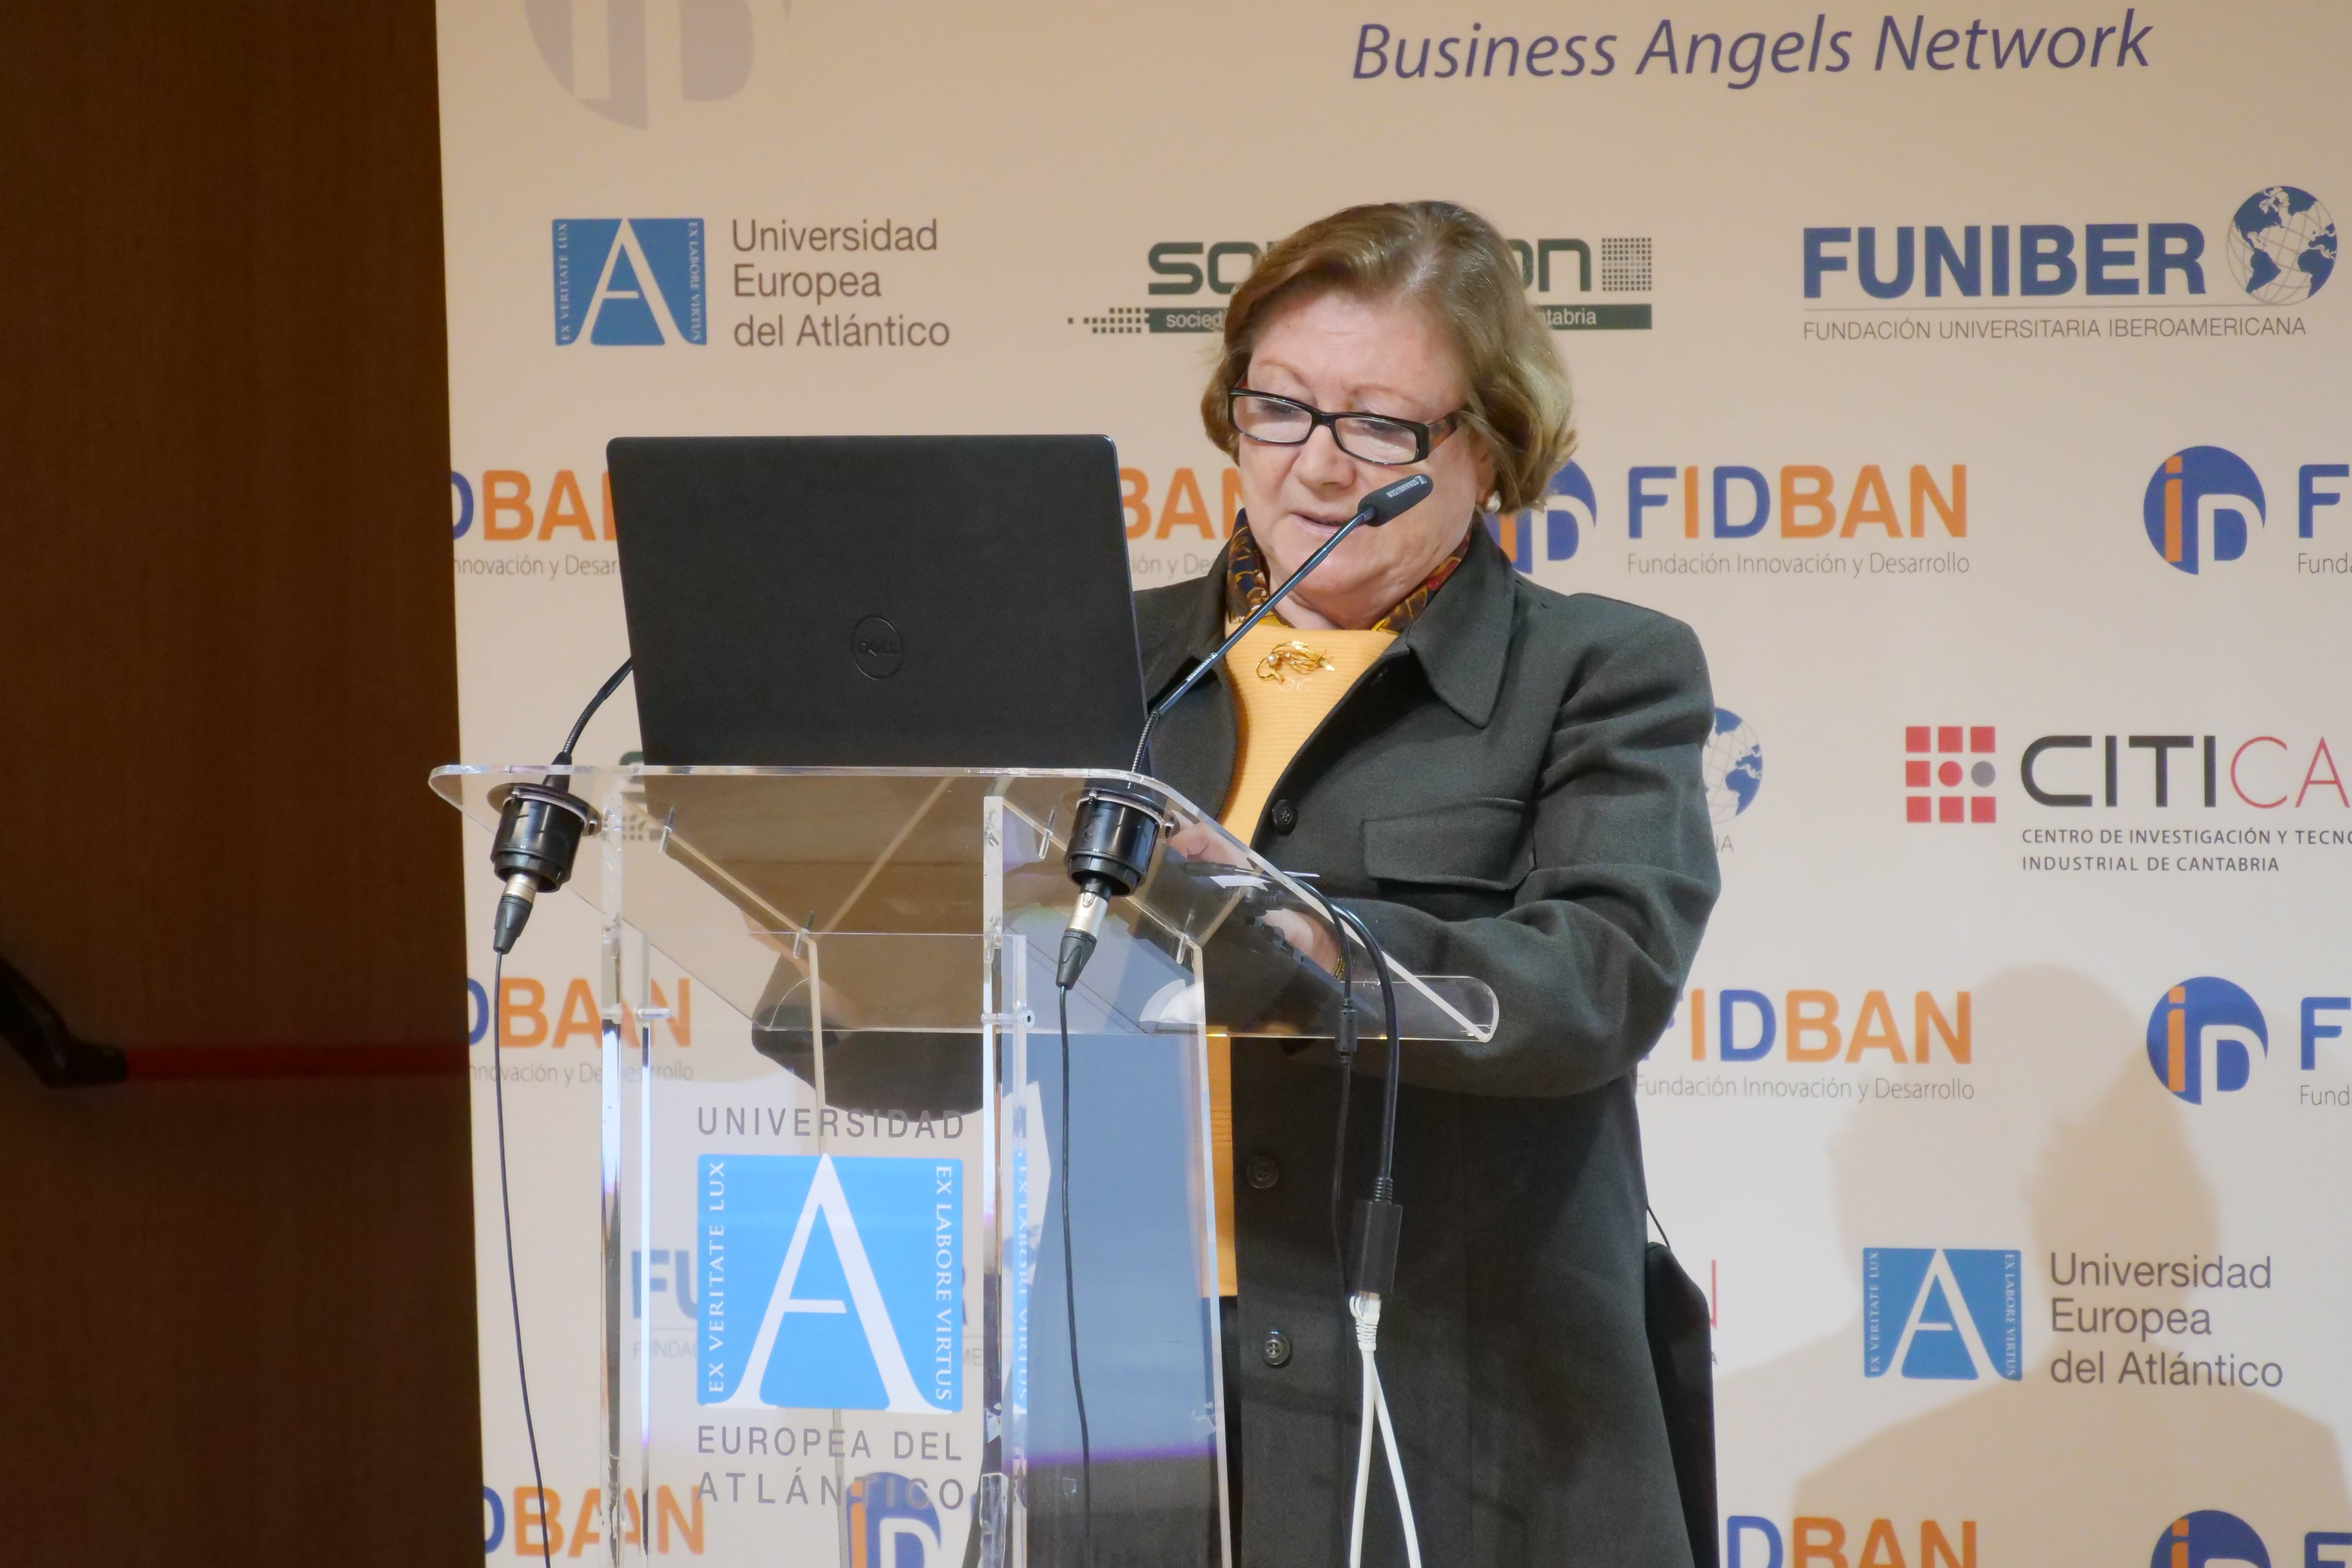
1396 1465
1363 1463
1366 1310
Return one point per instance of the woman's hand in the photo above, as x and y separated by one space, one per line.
1310 935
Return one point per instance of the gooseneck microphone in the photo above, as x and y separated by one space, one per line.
539 833
1117 827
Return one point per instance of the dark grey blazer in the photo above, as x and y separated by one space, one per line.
1513 793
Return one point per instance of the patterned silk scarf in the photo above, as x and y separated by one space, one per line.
1247 583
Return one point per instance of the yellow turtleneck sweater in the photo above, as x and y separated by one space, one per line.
1284 682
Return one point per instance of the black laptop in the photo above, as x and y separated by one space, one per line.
878 601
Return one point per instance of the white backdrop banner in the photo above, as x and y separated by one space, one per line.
1975 385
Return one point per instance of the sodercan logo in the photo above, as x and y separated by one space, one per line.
1944 1313
2204 1036
1949 773
2209 1539
1188 279
831 1283
636 281
2199 506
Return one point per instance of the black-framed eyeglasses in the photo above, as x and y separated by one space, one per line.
1370 437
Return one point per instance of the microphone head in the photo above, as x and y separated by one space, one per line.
1393 500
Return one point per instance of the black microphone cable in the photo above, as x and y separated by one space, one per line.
538 837
1070 1297
514 1292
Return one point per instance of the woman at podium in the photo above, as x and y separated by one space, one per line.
1504 782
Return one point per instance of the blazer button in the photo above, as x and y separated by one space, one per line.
1264 1172
1284 817
1277 1348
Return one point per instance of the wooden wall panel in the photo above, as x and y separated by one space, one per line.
236 1320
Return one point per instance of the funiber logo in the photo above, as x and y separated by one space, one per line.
1187 280
2155 278
630 282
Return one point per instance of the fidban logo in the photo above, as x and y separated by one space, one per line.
831 1284
1941 1312
630 282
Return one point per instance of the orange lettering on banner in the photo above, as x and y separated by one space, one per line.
1880 1549
566 508
1690 504
584 1532
1870 504
1133 486
1933 1543
580 1015
522 1011
1808 1550
665 1508
1816 497
1184 507
1925 1014
1699 1026
2311 776
537 1510
1813 1013
608 504
1231 498
636 1536
1923 494
503 491
1874 1030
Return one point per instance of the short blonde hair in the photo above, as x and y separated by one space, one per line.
1451 260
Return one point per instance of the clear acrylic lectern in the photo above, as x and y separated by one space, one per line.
855 1156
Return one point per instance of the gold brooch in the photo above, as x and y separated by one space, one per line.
1293 664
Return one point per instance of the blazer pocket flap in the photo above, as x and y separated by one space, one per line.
1480 843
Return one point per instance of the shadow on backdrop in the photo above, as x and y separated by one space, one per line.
2073 1144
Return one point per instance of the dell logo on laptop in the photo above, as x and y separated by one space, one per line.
875 645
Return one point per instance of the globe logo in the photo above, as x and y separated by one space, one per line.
1733 765
2282 245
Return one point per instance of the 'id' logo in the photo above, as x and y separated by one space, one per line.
1943 1312
2198 1035
1552 531
2209 1539
831 1283
2198 505
629 281
889 1523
